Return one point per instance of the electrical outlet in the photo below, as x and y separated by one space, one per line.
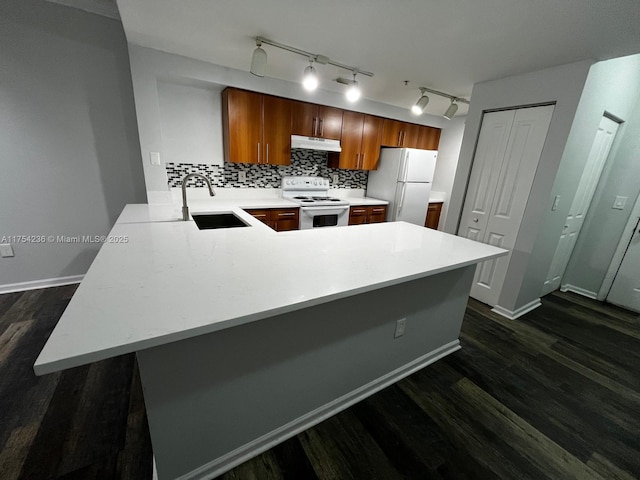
400 324
242 176
6 250
334 178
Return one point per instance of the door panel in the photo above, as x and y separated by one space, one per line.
370 150
329 122
509 148
492 144
303 118
244 125
351 139
276 131
586 188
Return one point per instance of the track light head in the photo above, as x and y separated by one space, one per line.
259 60
353 92
451 111
421 104
310 80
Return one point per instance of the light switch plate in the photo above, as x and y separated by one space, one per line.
334 179
242 176
619 203
154 157
556 201
400 325
6 250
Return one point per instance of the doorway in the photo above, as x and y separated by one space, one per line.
596 161
509 147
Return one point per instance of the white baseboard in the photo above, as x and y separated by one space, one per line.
273 438
518 312
34 285
580 291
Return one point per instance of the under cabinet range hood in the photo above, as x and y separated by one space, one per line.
313 143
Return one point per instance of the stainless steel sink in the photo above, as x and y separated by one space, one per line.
218 220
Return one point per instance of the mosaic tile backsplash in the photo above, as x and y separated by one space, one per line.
303 162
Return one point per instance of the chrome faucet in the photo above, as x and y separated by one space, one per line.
185 209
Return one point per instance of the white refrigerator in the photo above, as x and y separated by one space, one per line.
403 178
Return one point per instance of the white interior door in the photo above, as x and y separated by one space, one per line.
625 290
588 182
502 175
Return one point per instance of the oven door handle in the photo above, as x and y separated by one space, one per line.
323 210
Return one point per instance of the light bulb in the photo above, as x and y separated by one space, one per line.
310 81
420 105
353 93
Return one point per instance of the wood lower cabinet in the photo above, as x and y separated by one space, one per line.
409 135
256 127
360 142
311 120
280 219
433 215
359 215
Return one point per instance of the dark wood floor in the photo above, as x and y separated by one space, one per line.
555 394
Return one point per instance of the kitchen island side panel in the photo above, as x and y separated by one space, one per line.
216 400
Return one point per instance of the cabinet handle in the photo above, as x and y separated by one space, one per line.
378 210
314 133
400 138
357 210
258 152
321 127
267 153
363 155
286 214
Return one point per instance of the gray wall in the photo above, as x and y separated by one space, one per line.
603 226
168 84
68 137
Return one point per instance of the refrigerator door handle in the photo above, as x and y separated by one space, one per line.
405 166
404 189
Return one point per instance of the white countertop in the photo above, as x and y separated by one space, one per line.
170 281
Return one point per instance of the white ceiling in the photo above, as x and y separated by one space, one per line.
447 45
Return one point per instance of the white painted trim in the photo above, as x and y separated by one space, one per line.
46 283
264 443
616 261
518 312
580 291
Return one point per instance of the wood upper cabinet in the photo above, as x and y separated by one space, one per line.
429 138
313 120
360 142
256 128
409 135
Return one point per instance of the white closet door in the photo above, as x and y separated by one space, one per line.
508 184
625 290
588 182
492 145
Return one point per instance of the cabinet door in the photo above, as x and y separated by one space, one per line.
429 138
242 120
351 140
285 219
411 135
276 137
358 215
304 118
260 214
391 133
329 122
433 215
377 213
370 150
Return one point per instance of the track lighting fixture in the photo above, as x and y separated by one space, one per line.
451 111
422 102
259 60
310 79
420 105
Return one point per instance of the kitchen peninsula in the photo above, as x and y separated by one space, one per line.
246 336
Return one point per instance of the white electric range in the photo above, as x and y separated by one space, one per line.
317 208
